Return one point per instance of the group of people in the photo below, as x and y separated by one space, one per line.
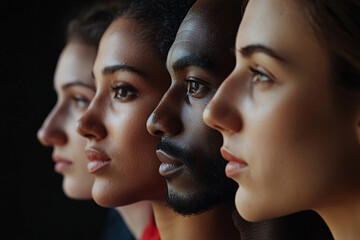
213 119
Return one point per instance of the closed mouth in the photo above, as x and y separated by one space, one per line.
98 160
169 166
61 164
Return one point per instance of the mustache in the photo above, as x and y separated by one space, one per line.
174 150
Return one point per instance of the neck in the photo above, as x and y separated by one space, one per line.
343 218
136 216
214 224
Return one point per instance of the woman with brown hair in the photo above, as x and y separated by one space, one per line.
289 112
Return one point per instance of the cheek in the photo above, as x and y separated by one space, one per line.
133 145
290 155
134 175
77 145
129 132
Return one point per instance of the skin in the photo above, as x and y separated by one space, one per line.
118 128
208 32
178 116
75 89
290 132
114 123
197 63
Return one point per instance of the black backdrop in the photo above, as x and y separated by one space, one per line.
32 204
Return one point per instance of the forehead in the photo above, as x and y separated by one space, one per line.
75 64
122 43
193 35
200 35
278 24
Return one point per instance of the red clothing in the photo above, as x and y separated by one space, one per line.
151 232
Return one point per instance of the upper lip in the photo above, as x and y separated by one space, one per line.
166 158
59 159
227 155
96 155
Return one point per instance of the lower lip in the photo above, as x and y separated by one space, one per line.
169 170
62 166
95 166
233 168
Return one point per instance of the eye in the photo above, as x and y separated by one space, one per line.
80 102
196 89
260 77
193 87
124 92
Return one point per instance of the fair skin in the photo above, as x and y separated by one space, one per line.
75 89
290 142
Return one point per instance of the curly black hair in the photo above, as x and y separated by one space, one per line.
160 20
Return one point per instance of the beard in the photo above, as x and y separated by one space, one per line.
216 188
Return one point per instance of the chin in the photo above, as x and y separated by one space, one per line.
110 196
247 207
76 191
192 202
252 209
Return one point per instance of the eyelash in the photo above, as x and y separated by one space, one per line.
201 88
256 79
130 92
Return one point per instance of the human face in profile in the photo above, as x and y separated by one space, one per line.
198 61
290 142
75 89
130 80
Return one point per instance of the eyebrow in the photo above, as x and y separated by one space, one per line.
249 50
193 61
122 67
78 83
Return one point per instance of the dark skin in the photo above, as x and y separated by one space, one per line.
199 60
186 142
196 74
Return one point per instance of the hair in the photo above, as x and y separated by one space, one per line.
337 25
90 24
159 19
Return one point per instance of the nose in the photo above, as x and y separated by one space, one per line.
165 120
222 113
91 125
52 132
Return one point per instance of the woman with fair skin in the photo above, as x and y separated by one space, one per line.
75 89
290 112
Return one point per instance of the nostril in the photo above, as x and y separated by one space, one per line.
217 127
88 136
159 133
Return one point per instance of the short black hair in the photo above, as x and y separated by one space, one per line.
91 23
159 19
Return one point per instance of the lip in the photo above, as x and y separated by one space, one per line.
98 160
61 164
170 166
235 165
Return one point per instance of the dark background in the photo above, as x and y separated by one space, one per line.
32 204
